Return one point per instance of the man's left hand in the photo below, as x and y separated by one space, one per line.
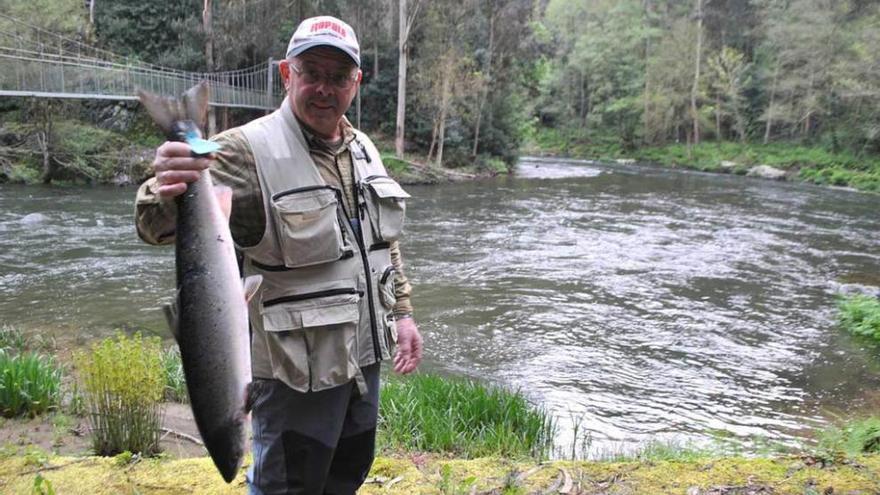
409 346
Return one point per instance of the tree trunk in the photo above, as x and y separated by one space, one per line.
582 103
718 117
695 88
434 130
770 106
444 105
401 81
44 141
357 102
207 25
92 13
376 57
484 94
646 102
48 169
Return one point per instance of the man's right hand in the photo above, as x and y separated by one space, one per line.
174 167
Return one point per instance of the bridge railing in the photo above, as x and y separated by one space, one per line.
29 74
35 62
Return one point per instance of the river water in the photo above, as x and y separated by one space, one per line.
640 303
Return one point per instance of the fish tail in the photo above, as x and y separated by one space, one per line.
192 105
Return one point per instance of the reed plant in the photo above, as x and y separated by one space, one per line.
30 383
18 341
860 315
465 418
855 437
123 384
175 381
13 339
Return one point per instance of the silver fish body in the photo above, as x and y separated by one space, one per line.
211 310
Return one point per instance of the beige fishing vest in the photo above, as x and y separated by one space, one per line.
324 308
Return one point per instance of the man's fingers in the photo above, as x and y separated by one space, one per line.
171 190
173 148
168 177
168 163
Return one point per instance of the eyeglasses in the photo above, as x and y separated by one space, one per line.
339 80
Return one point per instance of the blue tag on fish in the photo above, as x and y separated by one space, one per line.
200 146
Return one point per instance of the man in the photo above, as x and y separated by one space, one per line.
314 212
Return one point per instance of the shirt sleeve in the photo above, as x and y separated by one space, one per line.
402 288
234 167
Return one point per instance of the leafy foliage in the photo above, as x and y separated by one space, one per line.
163 32
123 383
860 315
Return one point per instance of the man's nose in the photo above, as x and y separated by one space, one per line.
324 88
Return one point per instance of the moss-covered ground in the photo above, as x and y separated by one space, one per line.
424 474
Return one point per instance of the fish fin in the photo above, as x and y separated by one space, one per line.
170 311
251 285
166 111
163 110
252 392
195 102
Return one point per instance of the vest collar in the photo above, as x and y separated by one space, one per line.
292 123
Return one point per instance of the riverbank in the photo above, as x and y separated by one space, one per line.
88 147
428 474
776 161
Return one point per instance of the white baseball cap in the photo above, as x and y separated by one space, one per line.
324 31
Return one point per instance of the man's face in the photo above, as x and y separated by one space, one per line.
315 86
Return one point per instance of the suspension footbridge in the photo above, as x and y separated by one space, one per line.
38 63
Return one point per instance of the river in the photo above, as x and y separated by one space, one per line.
636 302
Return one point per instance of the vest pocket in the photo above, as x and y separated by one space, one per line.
386 207
312 340
307 226
386 288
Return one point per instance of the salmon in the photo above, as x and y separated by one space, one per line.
209 318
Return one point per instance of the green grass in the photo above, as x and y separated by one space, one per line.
663 450
860 315
856 437
123 382
812 163
175 381
428 413
393 164
30 384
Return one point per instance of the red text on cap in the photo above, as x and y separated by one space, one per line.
321 25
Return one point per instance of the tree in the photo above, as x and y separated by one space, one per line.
405 27
698 55
728 73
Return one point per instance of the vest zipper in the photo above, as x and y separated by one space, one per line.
359 237
302 189
310 295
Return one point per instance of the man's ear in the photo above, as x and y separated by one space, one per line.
284 69
360 76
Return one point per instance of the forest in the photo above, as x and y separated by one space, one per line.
485 80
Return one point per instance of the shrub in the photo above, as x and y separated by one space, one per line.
30 384
123 384
175 381
461 417
860 314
